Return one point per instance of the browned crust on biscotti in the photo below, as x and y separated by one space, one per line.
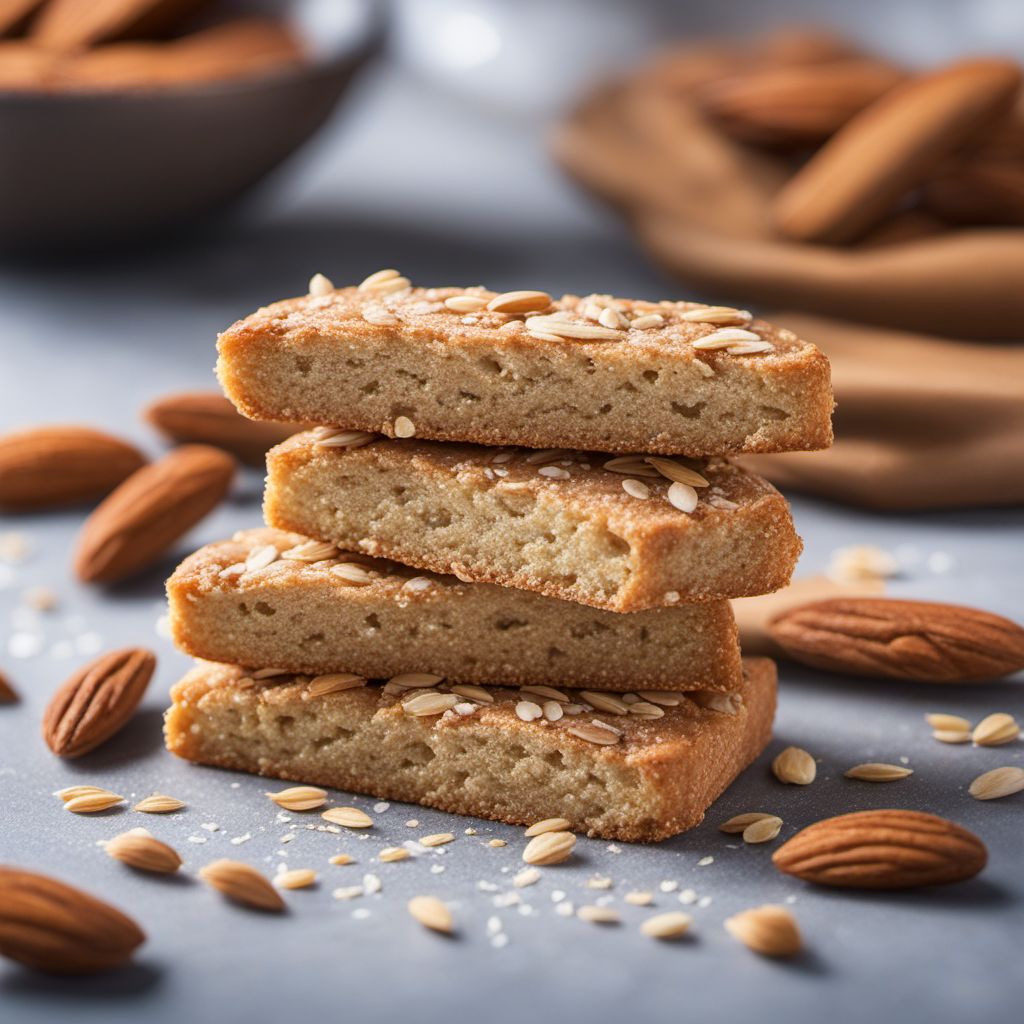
485 378
582 538
657 780
305 617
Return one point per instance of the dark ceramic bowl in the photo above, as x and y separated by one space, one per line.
83 170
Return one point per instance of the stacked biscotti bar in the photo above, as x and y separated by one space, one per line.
496 580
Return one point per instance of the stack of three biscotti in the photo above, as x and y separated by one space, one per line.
496 581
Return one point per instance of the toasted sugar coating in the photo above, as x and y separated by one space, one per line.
320 617
566 528
657 777
488 378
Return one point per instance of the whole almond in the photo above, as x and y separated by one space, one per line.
207 417
159 803
882 850
432 913
62 465
150 511
876 771
138 849
795 767
769 930
798 105
997 783
299 798
549 848
243 884
97 701
995 730
871 636
891 147
53 927
670 925
350 817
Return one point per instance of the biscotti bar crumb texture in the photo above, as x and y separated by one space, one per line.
642 771
267 597
622 534
593 372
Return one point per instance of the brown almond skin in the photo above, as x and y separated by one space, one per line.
207 417
97 701
981 191
889 148
62 465
155 506
889 639
52 927
882 850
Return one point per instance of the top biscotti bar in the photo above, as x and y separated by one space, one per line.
467 364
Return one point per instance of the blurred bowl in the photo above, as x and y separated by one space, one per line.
85 169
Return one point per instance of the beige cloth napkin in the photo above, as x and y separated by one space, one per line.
920 422
698 202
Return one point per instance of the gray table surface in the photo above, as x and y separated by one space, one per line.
93 342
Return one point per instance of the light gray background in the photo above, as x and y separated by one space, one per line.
451 195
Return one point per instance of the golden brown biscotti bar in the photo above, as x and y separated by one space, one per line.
643 774
556 522
595 372
267 597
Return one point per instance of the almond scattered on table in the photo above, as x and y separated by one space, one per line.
439 839
671 925
549 848
159 803
50 926
997 783
598 915
62 465
947 722
296 878
949 728
350 817
97 701
770 930
70 792
93 803
995 730
888 849
242 883
138 849
547 825
432 913
922 640
739 822
795 767
299 798
639 898
764 830
149 511
874 771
